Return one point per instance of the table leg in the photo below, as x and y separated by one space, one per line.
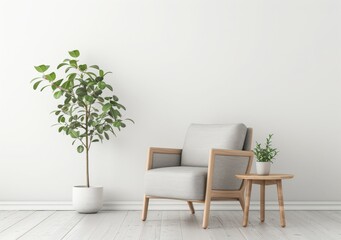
262 201
281 202
247 202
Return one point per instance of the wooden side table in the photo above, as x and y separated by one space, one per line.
263 180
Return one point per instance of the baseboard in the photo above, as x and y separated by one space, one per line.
170 205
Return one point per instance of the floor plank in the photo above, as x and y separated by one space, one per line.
262 230
11 219
103 225
5 214
55 227
170 226
152 228
232 223
167 225
216 228
190 227
131 228
26 224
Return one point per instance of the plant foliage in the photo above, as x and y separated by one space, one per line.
89 111
266 154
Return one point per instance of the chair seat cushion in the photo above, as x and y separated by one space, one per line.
182 182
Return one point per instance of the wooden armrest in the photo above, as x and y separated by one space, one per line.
226 152
153 150
165 150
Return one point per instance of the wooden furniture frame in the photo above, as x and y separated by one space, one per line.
264 180
210 194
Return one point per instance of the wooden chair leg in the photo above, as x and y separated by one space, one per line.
247 203
191 207
145 208
206 211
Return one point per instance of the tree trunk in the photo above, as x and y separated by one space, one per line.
87 148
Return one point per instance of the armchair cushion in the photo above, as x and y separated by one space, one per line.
201 138
176 182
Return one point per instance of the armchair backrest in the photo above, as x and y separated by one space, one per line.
248 140
201 138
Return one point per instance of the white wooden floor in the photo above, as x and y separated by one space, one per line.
167 225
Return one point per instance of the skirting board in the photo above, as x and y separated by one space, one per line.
171 205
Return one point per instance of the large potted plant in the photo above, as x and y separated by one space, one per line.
88 113
264 156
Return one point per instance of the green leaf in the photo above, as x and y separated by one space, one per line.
58 94
35 79
115 98
98 79
41 68
81 92
109 87
106 73
35 86
83 67
102 85
74 53
67 69
51 76
106 135
72 76
80 148
101 73
94 66
131 120
73 63
61 65
61 118
56 84
74 134
44 87
88 98
106 107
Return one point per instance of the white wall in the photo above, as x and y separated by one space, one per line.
273 65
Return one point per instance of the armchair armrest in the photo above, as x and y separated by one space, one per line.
224 165
163 157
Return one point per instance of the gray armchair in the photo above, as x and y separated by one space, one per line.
204 170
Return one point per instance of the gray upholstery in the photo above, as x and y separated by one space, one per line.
201 138
248 140
165 160
225 169
182 182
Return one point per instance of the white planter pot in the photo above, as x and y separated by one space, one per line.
263 168
87 199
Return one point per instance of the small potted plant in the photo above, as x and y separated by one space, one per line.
264 156
88 113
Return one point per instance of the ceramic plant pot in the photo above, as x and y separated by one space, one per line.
87 199
263 168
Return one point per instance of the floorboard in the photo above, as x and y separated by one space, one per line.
55 227
167 225
26 224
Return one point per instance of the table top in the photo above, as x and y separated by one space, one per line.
264 177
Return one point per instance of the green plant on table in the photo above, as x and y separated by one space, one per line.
267 153
89 110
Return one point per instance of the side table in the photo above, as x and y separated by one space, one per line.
263 180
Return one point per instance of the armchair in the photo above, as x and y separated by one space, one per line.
204 170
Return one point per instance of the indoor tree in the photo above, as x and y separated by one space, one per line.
89 111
